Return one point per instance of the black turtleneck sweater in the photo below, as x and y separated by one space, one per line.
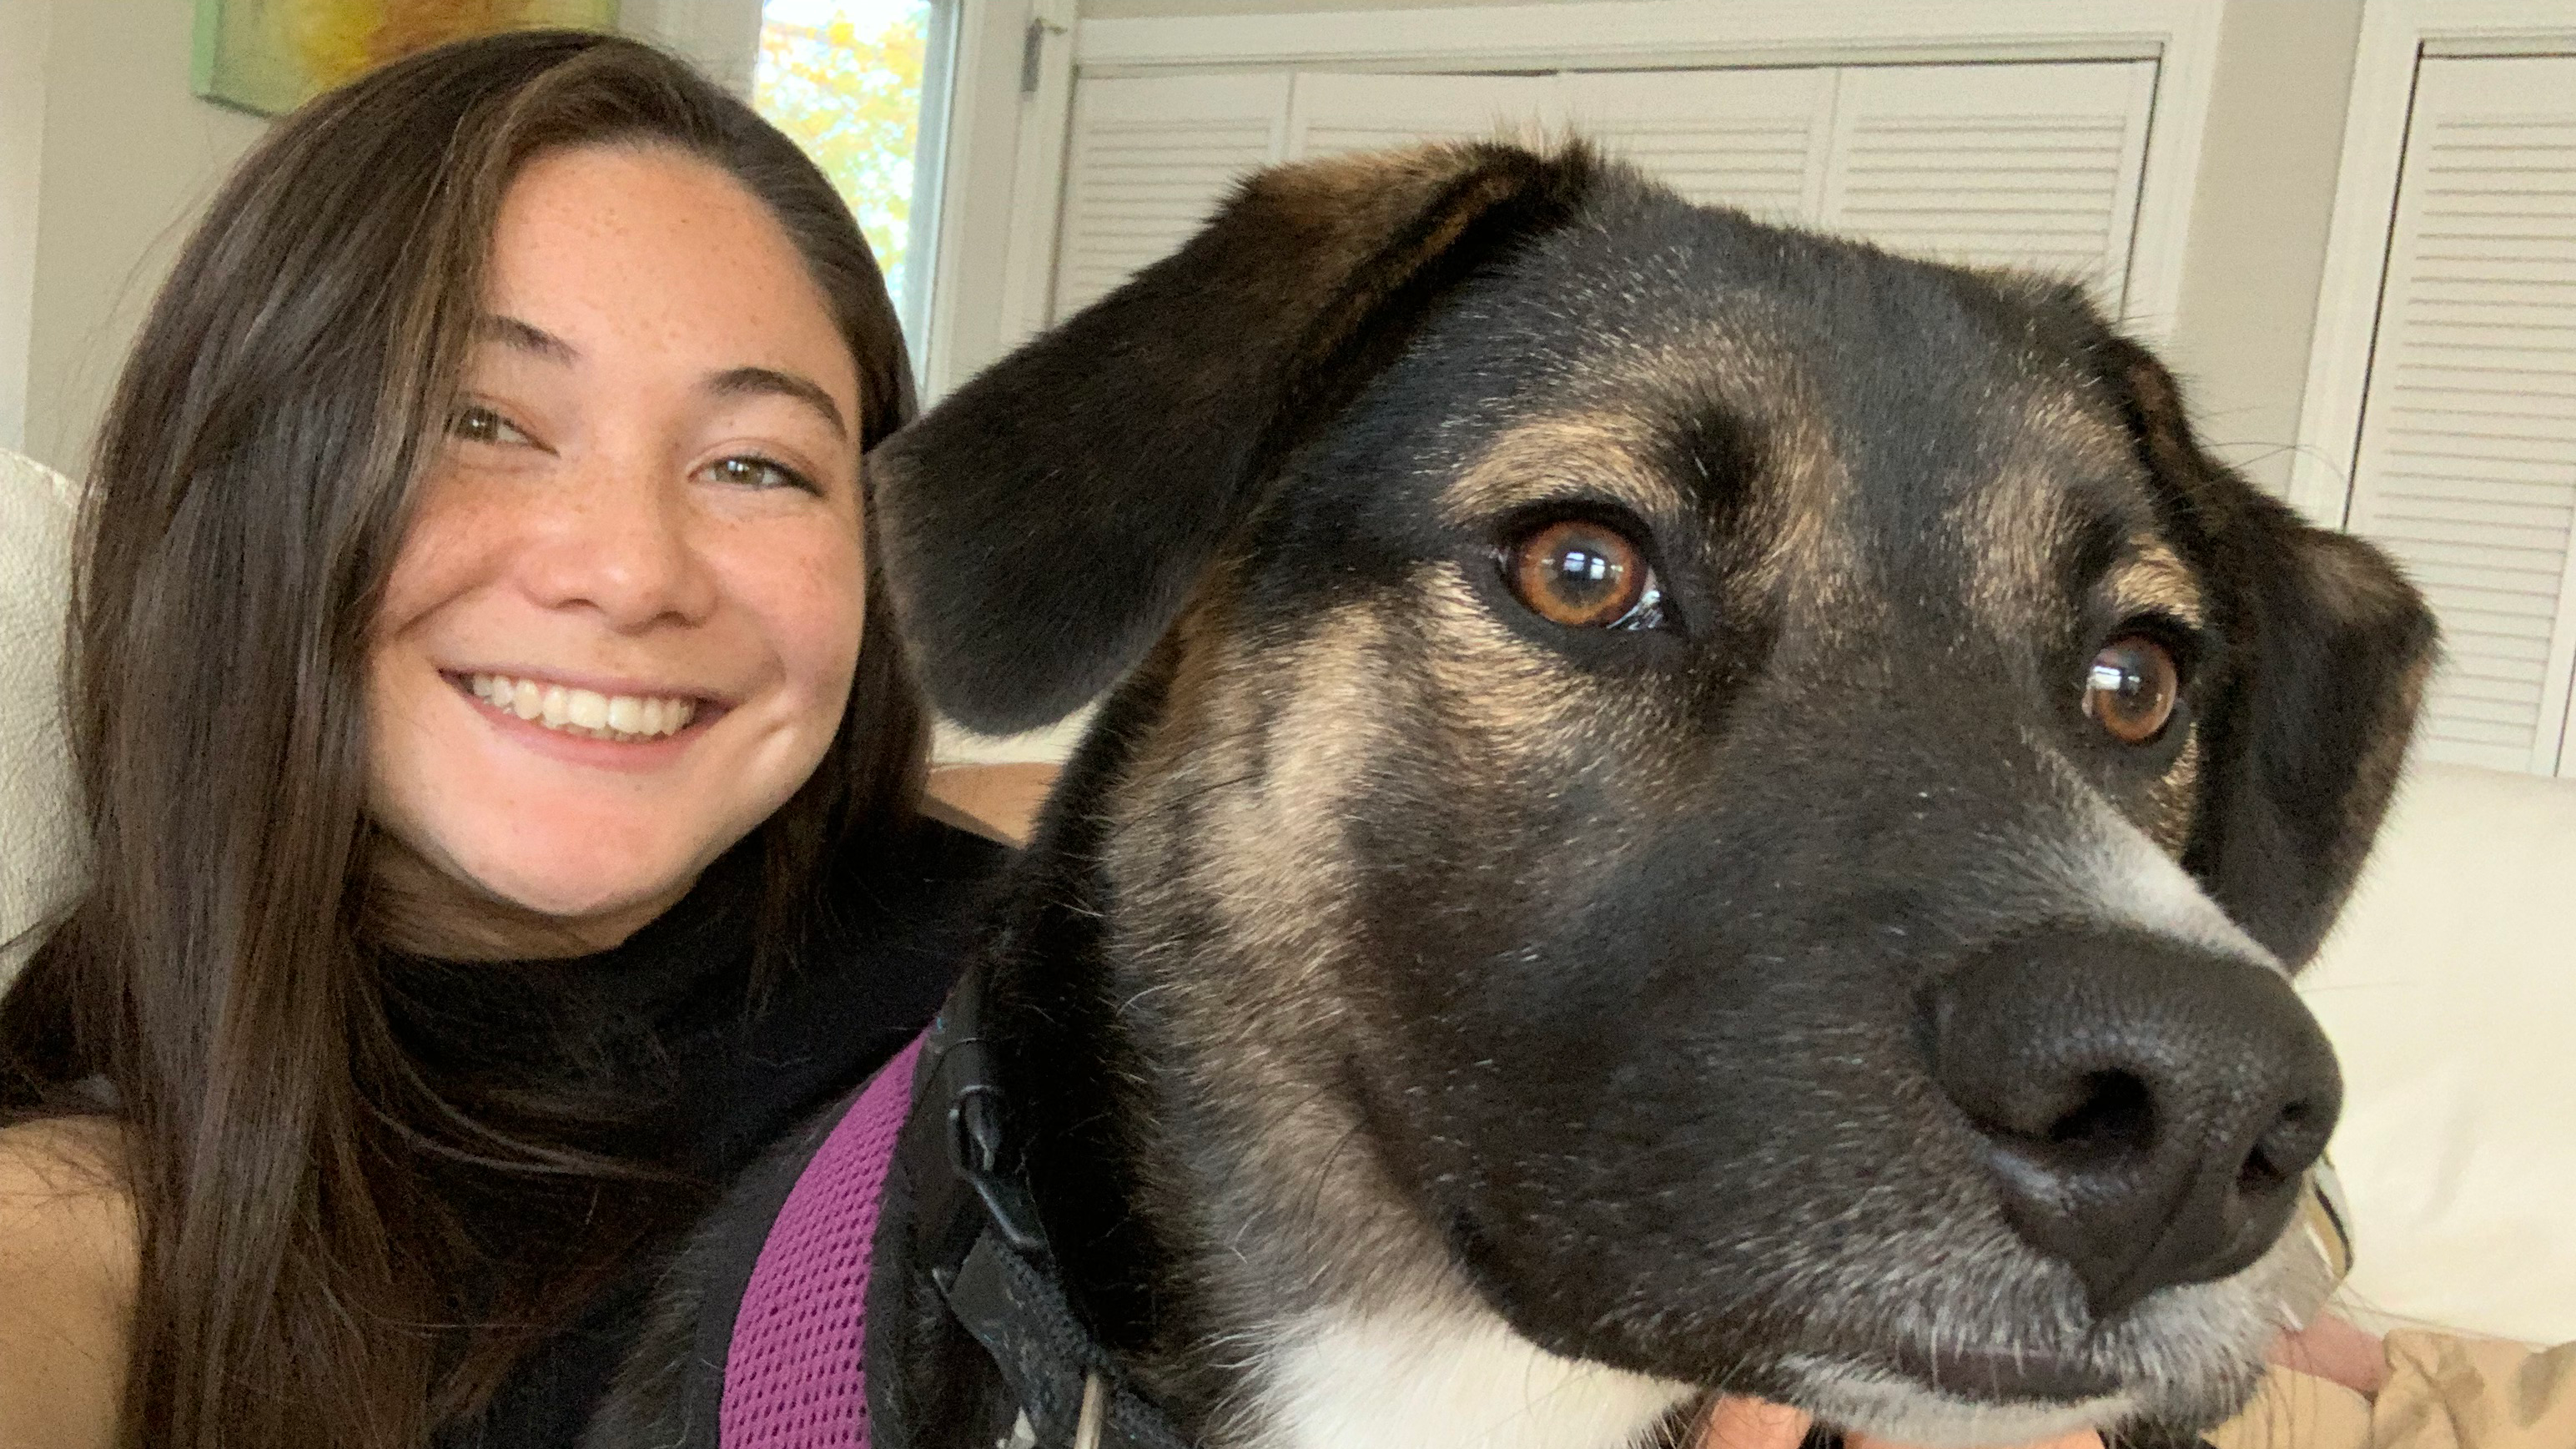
687 1067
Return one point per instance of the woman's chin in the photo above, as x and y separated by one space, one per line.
598 911
527 903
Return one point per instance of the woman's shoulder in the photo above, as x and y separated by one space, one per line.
67 1273
63 1201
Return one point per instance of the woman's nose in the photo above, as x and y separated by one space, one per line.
620 536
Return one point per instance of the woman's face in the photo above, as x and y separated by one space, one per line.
621 629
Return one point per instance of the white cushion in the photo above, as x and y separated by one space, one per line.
2450 992
40 855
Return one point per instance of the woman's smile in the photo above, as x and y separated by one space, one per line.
626 716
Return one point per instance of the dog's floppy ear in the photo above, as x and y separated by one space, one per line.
2305 732
1043 525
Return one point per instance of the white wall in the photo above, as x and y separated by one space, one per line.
720 37
25 30
1156 9
128 157
2256 252
106 161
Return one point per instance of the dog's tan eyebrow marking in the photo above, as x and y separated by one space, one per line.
2150 577
1564 458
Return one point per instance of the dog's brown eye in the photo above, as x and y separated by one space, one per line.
1580 574
2131 689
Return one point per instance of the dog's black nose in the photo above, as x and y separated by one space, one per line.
2148 1108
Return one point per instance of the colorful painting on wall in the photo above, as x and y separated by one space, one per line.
271 56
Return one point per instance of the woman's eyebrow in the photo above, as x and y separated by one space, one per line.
520 336
525 337
770 382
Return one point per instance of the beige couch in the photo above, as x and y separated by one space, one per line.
2449 987
38 855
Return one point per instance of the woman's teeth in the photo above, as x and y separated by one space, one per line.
627 717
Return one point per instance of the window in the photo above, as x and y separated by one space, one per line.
862 86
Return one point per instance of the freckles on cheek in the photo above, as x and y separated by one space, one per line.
814 595
440 552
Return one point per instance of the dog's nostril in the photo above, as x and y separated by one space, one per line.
2116 1115
2261 1172
2285 1149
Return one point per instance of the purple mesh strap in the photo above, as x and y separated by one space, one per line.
796 1375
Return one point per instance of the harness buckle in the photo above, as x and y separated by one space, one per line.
979 1148
977 1129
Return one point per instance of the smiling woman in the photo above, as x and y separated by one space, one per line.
630 600
503 797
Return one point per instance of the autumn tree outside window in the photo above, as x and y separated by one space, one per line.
861 86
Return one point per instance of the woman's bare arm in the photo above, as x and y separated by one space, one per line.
67 1269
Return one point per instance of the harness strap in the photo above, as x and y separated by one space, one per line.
796 1376
1063 1379
990 1257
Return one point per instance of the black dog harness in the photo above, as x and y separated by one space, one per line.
796 1370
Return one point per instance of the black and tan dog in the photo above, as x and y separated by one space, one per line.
1682 804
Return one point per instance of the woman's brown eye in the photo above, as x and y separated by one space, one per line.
476 424
1581 574
2131 689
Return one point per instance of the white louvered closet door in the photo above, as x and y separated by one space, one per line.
1756 139
2467 463
1750 138
2024 164
1331 114
1150 158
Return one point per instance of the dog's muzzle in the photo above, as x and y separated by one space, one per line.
2150 1110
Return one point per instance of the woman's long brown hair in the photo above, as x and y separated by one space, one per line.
215 989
